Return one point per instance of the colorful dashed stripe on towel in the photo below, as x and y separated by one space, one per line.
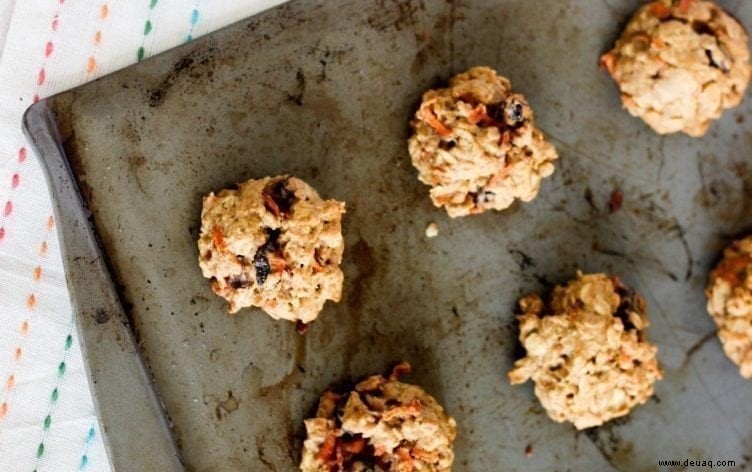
54 395
10 380
15 181
91 62
22 153
193 20
147 29
86 455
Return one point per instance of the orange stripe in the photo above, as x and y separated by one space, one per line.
19 354
37 273
50 222
31 301
104 11
3 410
25 328
10 383
97 37
43 248
91 64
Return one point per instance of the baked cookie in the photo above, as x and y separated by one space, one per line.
586 350
382 425
275 244
679 64
476 144
729 294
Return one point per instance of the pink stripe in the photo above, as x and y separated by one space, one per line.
42 76
48 48
8 208
21 154
15 180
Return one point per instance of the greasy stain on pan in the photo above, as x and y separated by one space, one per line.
324 91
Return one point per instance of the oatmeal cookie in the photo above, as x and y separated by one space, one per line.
729 294
382 425
679 64
586 350
476 144
275 244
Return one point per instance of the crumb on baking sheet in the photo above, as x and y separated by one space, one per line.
432 230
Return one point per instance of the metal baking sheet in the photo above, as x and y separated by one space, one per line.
324 91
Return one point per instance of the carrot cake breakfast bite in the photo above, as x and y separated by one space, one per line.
382 425
273 243
587 351
729 293
679 64
476 145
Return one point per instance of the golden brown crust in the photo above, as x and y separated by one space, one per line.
586 351
680 64
476 144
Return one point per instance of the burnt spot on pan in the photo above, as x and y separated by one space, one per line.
296 96
195 65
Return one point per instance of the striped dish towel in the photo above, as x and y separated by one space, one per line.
47 420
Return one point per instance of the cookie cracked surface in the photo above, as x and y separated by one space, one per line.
275 244
679 64
729 293
586 350
382 425
476 144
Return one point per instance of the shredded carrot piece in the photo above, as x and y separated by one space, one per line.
271 204
327 448
730 269
659 10
400 369
218 238
628 101
318 267
421 454
478 114
684 6
276 263
332 395
608 62
215 286
433 121
642 37
658 43
506 137
404 454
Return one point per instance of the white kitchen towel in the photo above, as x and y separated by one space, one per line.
47 420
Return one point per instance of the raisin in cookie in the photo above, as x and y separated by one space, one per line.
275 244
729 294
679 64
586 351
476 144
382 425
